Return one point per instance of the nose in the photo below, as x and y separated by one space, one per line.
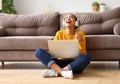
68 18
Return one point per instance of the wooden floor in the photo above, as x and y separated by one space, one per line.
29 72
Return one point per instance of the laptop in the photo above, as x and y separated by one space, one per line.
63 48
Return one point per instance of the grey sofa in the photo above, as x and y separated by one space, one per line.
21 35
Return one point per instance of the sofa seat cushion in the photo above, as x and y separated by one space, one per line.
24 42
103 42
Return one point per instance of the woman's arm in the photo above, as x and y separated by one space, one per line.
57 36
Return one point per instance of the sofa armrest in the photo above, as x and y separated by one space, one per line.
2 32
116 29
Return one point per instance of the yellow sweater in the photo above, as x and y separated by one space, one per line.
62 35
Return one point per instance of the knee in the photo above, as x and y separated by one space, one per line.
88 57
85 58
38 52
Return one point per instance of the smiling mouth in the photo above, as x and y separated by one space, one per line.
68 22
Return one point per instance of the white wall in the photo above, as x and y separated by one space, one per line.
38 6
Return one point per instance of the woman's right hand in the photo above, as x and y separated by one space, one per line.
79 36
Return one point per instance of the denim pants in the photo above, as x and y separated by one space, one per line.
77 66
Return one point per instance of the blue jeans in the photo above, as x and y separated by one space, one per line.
77 66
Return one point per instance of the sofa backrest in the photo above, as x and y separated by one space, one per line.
97 23
30 25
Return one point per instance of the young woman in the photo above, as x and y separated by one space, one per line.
66 67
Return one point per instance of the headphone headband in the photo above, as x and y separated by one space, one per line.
77 20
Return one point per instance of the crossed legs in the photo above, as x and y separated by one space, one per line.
76 66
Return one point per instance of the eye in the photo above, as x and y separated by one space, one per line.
65 18
72 17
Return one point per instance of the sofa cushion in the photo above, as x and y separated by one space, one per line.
106 21
30 25
104 42
91 29
107 26
24 42
2 32
117 29
97 23
111 14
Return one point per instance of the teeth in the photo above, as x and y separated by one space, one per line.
68 22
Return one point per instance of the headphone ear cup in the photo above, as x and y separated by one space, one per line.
76 23
63 23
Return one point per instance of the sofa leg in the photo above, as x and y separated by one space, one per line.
2 64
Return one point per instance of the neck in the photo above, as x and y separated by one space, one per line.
70 31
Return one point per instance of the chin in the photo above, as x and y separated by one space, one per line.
67 25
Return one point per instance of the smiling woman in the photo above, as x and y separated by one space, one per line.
61 66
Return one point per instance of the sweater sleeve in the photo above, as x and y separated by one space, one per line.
57 35
82 43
